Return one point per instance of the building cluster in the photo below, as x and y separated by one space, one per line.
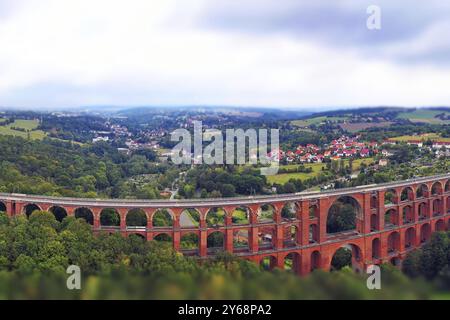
343 148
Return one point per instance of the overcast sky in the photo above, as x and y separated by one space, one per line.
278 53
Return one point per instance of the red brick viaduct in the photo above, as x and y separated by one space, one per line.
391 220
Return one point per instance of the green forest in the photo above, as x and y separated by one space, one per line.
35 252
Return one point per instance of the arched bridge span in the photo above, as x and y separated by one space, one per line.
391 219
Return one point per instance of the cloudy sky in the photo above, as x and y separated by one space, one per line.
277 53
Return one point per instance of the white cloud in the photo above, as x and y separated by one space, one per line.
140 52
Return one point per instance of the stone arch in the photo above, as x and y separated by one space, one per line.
241 216
215 217
436 189
215 242
163 238
376 248
268 263
291 236
314 211
266 213
85 214
59 212
109 217
162 218
344 215
347 255
30 208
393 243
290 211
423 211
374 222
2 207
316 259
407 194
373 202
313 233
410 238
425 232
292 262
440 225
437 207
189 242
408 215
136 218
422 191
137 236
391 219
266 236
240 240
390 197
190 218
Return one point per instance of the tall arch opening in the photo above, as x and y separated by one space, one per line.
422 191
215 217
266 213
240 216
109 217
189 243
393 243
314 211
408 215
289 211
30 208
215 242
59 212
313 233
391 219
290 236
423 211
437 207
268 263
315 260
440 226
292 262
347 256
376 248
436 189
425 233
240 240
390 197
189 218
374 222
447 186
344 215
85 214
265 238
162 219
136 218
373 202
407 194
410 238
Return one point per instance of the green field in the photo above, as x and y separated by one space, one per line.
422 137
28 125
424 115
316 120
316 170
